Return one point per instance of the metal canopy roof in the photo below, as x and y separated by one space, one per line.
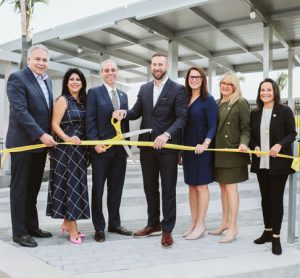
219 31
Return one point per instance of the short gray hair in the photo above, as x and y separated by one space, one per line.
108 61
37 46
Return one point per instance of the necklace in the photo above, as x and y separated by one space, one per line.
265 120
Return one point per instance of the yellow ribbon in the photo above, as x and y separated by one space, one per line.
117 140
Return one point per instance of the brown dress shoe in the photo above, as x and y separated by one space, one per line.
148 231
167 240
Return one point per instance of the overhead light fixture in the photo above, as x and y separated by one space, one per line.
79 49
252 14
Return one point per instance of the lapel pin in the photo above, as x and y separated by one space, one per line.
274 115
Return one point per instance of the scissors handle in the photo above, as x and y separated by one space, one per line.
117 126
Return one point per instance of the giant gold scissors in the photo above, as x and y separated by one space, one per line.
122 136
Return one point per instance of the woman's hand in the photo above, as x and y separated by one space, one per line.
243 148
275 150
257 148
74 139
200 148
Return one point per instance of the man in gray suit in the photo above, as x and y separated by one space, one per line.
30 97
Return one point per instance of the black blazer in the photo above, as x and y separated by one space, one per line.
29 116
169 113
99 111
282 131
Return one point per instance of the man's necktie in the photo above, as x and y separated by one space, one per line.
114 100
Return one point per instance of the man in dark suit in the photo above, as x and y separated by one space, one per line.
30 96
162 104
107 165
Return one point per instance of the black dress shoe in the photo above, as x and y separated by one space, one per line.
99 236
276 246
40 233
26 241
120 230
265 237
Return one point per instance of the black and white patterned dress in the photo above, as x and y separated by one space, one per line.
68 190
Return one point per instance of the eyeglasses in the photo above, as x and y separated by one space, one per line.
195 77
226 84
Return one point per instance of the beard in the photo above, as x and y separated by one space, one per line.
159 75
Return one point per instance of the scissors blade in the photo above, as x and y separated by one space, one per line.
128 151
136 132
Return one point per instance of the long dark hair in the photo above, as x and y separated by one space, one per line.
203 88
65 90
276 90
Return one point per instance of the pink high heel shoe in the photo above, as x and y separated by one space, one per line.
63 230
75 240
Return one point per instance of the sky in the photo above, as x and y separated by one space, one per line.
58 12
55 13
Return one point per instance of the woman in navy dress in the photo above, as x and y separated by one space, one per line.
199 131
68 191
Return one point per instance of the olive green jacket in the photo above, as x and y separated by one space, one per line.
233 130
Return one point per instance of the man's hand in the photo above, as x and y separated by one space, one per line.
119 114
47 140
100 149
160 141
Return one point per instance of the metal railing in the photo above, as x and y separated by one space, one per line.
292 206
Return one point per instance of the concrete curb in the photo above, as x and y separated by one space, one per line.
17 263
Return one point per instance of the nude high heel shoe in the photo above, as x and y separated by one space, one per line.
229 237
188 231
197 233
217 231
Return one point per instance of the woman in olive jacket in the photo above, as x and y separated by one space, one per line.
272 130
233 132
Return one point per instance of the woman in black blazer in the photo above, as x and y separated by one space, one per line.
273 131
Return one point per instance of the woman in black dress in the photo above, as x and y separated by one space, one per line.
68 191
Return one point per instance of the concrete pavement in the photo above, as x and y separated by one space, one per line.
121 256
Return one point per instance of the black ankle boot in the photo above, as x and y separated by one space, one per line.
276 246
265 237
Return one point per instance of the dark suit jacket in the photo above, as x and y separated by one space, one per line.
169 113
29 116
99 111
282 131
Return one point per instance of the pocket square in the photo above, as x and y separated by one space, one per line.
164 98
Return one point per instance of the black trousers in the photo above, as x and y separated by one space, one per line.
272 190
26 176
111 169
155 163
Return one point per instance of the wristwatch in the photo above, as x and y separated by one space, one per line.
207 142
167 134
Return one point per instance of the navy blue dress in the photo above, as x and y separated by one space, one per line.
201 124
68 190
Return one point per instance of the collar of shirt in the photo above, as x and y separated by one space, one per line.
162 83
158 89
41 77
109 89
